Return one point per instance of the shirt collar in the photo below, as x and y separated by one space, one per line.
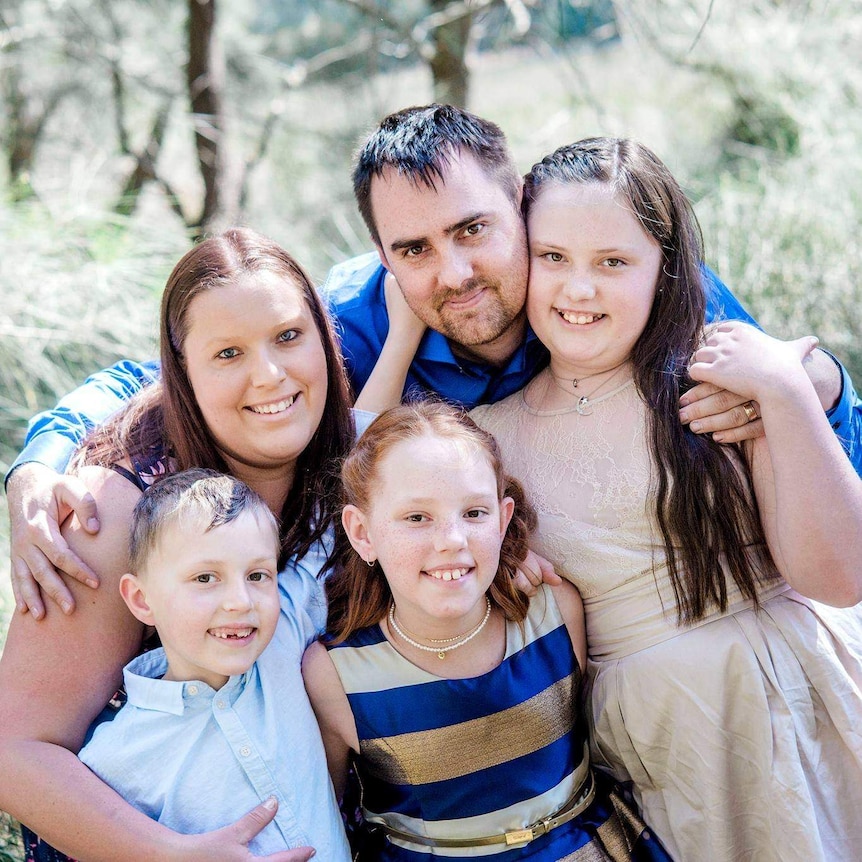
146 689
435 346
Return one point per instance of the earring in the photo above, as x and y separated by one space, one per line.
370 563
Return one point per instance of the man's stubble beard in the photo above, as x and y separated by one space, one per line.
484 325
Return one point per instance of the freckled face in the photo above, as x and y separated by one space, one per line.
458 251
213 595
593 274
255 361
436 525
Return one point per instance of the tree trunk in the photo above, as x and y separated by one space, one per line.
145 165
448 66
205 80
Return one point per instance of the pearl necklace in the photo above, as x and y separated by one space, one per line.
441 651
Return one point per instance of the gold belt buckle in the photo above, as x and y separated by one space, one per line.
531 833
519 836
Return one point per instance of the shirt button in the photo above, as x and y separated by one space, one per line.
221 704
245 751
192 690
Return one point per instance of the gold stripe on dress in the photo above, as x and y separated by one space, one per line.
450 752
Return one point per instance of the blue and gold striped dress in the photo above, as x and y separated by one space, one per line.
470 758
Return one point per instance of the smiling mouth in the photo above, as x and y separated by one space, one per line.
274 407
448 574
579 318
233 633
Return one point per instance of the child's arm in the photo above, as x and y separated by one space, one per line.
384 387
330 705
572 610
808 494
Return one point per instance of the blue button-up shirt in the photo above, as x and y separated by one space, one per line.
354 293
196 759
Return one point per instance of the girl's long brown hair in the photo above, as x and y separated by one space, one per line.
359 596
704 500
166 418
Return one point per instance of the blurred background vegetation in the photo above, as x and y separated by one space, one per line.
130 127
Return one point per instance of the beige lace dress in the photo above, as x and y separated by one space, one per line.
743 733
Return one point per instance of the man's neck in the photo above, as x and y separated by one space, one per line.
497 352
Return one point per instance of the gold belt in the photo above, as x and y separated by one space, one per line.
577 803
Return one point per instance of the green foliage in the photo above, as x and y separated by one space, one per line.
11 848
79 293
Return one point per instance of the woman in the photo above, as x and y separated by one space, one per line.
253 385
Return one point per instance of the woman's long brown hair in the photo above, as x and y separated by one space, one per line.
165 418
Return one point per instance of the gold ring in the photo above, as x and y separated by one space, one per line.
750 412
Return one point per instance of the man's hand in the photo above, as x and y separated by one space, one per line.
709 409
39 501
230 844
533 571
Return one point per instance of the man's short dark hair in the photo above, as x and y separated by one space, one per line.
420 142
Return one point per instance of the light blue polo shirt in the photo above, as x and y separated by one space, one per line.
196 759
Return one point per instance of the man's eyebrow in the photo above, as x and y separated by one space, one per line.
400 244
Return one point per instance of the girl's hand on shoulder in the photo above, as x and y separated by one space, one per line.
751 364
535 570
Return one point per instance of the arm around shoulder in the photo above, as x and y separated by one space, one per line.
808 494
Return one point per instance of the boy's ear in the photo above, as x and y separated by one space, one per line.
353 521
133 595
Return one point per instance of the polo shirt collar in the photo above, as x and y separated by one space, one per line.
146 689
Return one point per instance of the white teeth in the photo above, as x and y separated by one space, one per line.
449 574
580 319
236 633
274 408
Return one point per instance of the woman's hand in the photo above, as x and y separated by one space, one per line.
39 501
385 385
230 844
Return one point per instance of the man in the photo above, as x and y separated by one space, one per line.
440 195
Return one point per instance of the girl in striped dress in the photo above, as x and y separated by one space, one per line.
455 696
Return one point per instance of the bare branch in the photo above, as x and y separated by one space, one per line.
293 77
702 27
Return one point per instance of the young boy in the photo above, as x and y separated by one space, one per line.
216 722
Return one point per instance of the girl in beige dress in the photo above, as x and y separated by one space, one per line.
724 686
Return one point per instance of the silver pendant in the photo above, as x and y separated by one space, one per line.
583 406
